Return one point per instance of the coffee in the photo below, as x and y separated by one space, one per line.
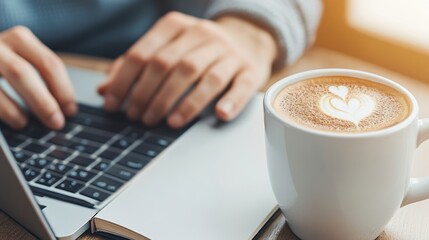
342 104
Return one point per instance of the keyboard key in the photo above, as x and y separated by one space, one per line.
60 140
37 132
93 136
147 149
48 179
91 110
163 129
62 197
135 133
35 148
60 154
98 122
134 162
59 168
95 194
82 161
110 154
68 127
159 141
70 185
108 184
123 143
116 117
14 141
21 156
121 173
109 125
82 120
102 166
6 131
81 174
30 173
84 146
38 162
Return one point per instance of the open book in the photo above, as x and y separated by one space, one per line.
224 193
114 231
122 220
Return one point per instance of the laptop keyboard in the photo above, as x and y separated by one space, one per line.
91 158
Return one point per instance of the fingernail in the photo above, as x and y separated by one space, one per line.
111 102
70 109
101 88
149 118
57 120
227 107
133 112
176 120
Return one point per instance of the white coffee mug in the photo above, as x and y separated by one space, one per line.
333 185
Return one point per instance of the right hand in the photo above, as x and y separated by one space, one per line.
22 58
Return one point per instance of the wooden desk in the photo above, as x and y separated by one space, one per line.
410 222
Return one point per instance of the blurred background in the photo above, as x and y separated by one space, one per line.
390 33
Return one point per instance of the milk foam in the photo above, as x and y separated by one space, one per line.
342 104
339 105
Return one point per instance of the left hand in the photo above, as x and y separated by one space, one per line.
180 51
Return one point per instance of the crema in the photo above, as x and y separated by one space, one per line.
342 104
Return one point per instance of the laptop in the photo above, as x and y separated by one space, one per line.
207 181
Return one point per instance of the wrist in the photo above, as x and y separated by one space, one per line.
247 31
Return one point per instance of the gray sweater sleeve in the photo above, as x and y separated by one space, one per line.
292 22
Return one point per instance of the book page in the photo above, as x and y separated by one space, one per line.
211 184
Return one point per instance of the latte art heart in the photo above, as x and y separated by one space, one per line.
354 109
341 91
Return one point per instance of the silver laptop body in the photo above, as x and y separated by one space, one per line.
237 149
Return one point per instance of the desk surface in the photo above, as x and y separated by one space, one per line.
410 222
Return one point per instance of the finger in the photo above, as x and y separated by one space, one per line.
214 81
113 69
49 65
165 30
188 70
10 112
246 83
165 60
120 82
25 80
136 58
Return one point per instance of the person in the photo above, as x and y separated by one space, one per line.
188 50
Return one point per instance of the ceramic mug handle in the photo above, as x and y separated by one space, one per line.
418 188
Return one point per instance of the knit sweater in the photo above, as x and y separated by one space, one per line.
108 28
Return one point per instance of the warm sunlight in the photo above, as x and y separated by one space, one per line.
403 20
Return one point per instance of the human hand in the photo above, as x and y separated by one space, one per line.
179 51
22 58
